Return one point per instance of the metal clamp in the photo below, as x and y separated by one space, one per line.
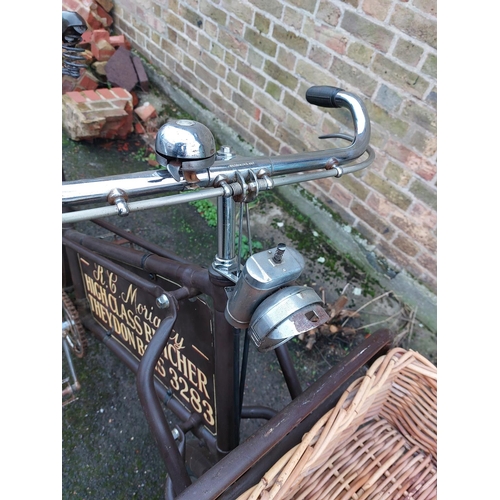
241 196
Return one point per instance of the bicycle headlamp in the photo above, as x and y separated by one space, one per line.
285 314
264 301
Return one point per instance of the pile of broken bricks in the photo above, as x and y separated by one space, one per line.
103 101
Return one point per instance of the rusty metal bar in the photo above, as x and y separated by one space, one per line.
152 408
288 369
192 276
82 246
256 411
138 240
280 433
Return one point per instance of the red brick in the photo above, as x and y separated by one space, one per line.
425 215
71 5
76 96
415 230
111 114
100 34
88 3
99 18
68 84
421 166
341 195
91 95
117 128
107 5
86 37
102 50
397 150
139 129
428 262
380 204
405 245
94 23
119 92
87 82
106 93
135 99
145 112
120 41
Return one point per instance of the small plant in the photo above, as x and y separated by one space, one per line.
207 210
245 248
145 154
139 155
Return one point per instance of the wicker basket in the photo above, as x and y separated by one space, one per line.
378 442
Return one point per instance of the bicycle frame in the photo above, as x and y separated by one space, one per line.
166 318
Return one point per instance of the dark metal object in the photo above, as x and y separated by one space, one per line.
153 410
288 369
73 27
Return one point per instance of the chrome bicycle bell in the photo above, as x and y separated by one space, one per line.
184 147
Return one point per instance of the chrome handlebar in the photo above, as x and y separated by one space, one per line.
236 176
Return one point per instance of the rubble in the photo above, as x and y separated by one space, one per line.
111 70
103 113
145 112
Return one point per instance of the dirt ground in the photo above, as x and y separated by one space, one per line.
108 451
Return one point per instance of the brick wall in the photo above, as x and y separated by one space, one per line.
251 61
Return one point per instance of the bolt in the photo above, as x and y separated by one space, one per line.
280 250
225 153
162 301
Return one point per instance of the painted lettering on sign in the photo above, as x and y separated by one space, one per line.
132 317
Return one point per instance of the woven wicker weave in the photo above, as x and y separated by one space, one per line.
378 442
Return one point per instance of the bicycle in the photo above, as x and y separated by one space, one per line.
176 325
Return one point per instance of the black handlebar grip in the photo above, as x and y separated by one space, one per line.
323 95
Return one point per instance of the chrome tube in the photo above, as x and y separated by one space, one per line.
135 184
96 213
226 253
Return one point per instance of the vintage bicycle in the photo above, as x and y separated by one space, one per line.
176 324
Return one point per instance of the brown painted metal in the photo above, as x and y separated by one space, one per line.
255 455
288 369
153 411
137 240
